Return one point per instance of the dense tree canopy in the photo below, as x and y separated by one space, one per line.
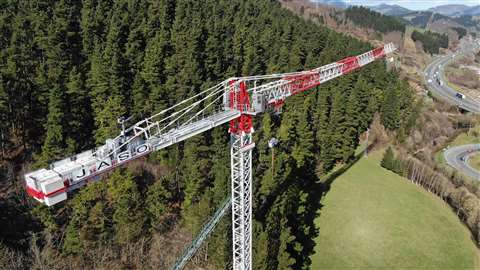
368 18
70 68
431 41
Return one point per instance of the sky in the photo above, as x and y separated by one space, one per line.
414 4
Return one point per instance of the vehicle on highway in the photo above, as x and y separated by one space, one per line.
462 159
460 95
429 80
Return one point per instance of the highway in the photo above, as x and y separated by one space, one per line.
440 89
457 157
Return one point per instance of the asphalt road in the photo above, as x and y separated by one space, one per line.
440 89
457 157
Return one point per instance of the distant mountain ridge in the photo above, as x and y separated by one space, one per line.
334 3
450 15
456 10
452 10
433 19
391 10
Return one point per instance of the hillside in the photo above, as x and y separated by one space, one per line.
374 218
337 19
70 69
413 57
456 10
391 10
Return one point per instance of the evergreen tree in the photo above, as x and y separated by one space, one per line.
337 124
285 261
153 75
302 151
80 123
323 134
4 117
128 214
114 60
220 166
391 110
87 224
388 159
195 169
260 247
54 141
157 201
107 117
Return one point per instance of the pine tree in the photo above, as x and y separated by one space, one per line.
302 151
337 123
195 171
157 201
285 261
214 50
260 247
88 221
113 55
55 140
391 110
4 118
388 159
220 165
94 231
61 50
321 123
183 68
27 101
95 16
80 122
296 57
106 119
354 120
128 214
153 75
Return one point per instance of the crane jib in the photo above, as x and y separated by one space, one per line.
234 101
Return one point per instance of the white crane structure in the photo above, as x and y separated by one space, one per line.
236 101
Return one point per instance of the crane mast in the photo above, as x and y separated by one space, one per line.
235 101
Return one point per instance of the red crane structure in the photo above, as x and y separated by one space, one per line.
235 101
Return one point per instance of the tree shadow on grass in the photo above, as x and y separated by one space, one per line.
316 190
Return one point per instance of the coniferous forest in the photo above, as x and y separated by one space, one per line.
431 41
69 69
368 18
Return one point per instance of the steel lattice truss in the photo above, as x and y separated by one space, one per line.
236 101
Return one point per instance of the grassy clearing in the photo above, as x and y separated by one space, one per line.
470 137
474 161
373 218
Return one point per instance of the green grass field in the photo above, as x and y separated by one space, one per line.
374 219
474 161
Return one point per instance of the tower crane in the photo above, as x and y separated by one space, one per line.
235 101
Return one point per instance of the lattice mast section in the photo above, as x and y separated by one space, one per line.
241 130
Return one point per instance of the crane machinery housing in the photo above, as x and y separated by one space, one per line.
235 100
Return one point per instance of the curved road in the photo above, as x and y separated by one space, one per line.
457 157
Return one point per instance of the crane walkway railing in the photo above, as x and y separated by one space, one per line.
204 233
